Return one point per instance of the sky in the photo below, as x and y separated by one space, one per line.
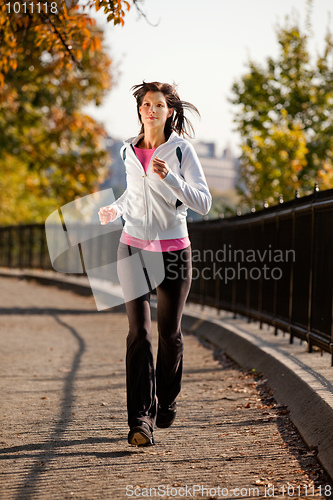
203 47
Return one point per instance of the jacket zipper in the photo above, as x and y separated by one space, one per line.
147 196
147 231
145 192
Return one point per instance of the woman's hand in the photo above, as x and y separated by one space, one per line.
160 167
107 214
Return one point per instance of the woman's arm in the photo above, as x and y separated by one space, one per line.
109 213
190 187
119 204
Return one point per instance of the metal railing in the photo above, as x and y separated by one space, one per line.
273 265
294 292
24 246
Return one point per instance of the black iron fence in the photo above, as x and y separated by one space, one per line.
24 246
273 265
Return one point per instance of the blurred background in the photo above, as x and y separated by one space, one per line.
259 72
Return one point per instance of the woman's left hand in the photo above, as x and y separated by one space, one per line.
160 167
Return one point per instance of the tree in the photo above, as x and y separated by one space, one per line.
285 118
50 152
60 25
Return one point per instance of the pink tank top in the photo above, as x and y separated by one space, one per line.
144 156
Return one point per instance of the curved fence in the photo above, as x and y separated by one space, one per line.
273 265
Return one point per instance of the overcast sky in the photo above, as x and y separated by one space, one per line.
203 47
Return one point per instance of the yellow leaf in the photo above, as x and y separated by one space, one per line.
98 44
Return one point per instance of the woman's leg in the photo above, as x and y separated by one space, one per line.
171 297
140 374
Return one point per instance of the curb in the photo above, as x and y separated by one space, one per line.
311 407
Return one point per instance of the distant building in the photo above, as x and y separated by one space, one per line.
205 149
220 172
117 175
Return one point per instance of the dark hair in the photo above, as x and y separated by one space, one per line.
178 121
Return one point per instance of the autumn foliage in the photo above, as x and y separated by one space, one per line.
54 27
51 65
284 113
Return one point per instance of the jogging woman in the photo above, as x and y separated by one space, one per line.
164 179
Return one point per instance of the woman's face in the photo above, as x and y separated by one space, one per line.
154 110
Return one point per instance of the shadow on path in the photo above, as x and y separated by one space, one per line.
40 311
50 449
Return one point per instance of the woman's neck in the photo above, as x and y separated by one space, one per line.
152 140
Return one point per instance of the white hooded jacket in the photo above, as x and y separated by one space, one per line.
155 208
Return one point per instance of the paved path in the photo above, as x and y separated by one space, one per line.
63 414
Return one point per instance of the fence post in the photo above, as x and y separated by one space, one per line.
312 254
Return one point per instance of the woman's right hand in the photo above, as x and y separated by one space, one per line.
107 214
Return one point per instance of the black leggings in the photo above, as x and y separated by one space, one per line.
143 384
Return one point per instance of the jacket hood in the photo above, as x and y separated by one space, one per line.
135 140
